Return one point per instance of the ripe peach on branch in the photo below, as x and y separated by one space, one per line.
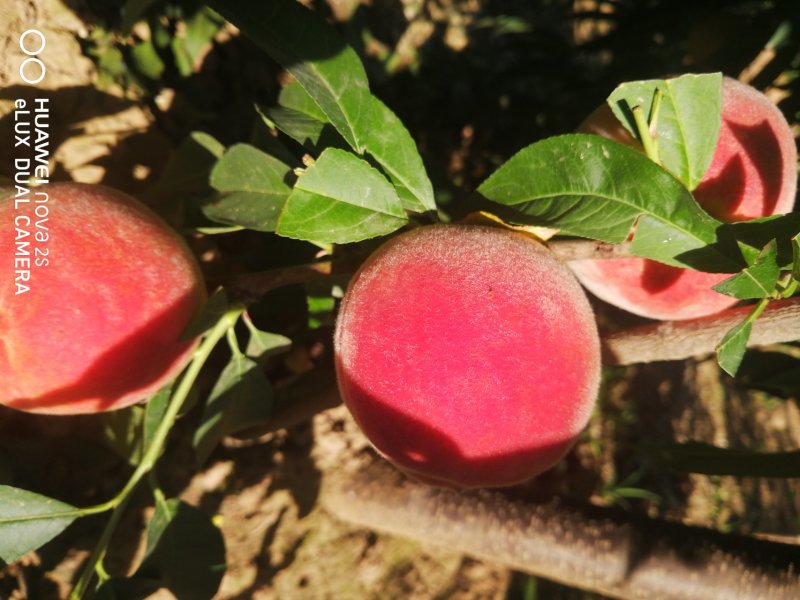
753 173
99 326
468 355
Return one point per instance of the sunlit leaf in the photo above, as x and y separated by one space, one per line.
688 121
341 198
592 187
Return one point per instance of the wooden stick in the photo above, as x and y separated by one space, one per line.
591 548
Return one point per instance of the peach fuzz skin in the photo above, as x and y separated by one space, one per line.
468 355
99 329
752 174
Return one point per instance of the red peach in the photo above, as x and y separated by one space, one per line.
99 327
753 173
468 355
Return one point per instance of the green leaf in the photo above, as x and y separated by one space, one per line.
384 138
389 143
752 235
332 74
241 398
311 51
592 187
341 198
299 117
264 137
29 520
185 551
688 120
154 412
129 431
303 129
731 349
244 168
252 186
694 457
293 96
320 311
756 281
263 344
249 210
145 60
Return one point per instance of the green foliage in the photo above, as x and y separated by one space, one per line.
215 307
796 257
29 520
185 551
252 189
592 187
242 396
122 431
341 198
684 124
756 281
199 30
299 117
186 174
299 40
133 11
731 349
333 77
139 63
261 345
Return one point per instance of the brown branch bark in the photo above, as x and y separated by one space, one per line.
668 340
593 549
568 250
675 340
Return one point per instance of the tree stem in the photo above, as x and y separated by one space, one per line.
153 451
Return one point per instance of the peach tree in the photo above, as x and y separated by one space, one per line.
340 171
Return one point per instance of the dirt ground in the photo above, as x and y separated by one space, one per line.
267 493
